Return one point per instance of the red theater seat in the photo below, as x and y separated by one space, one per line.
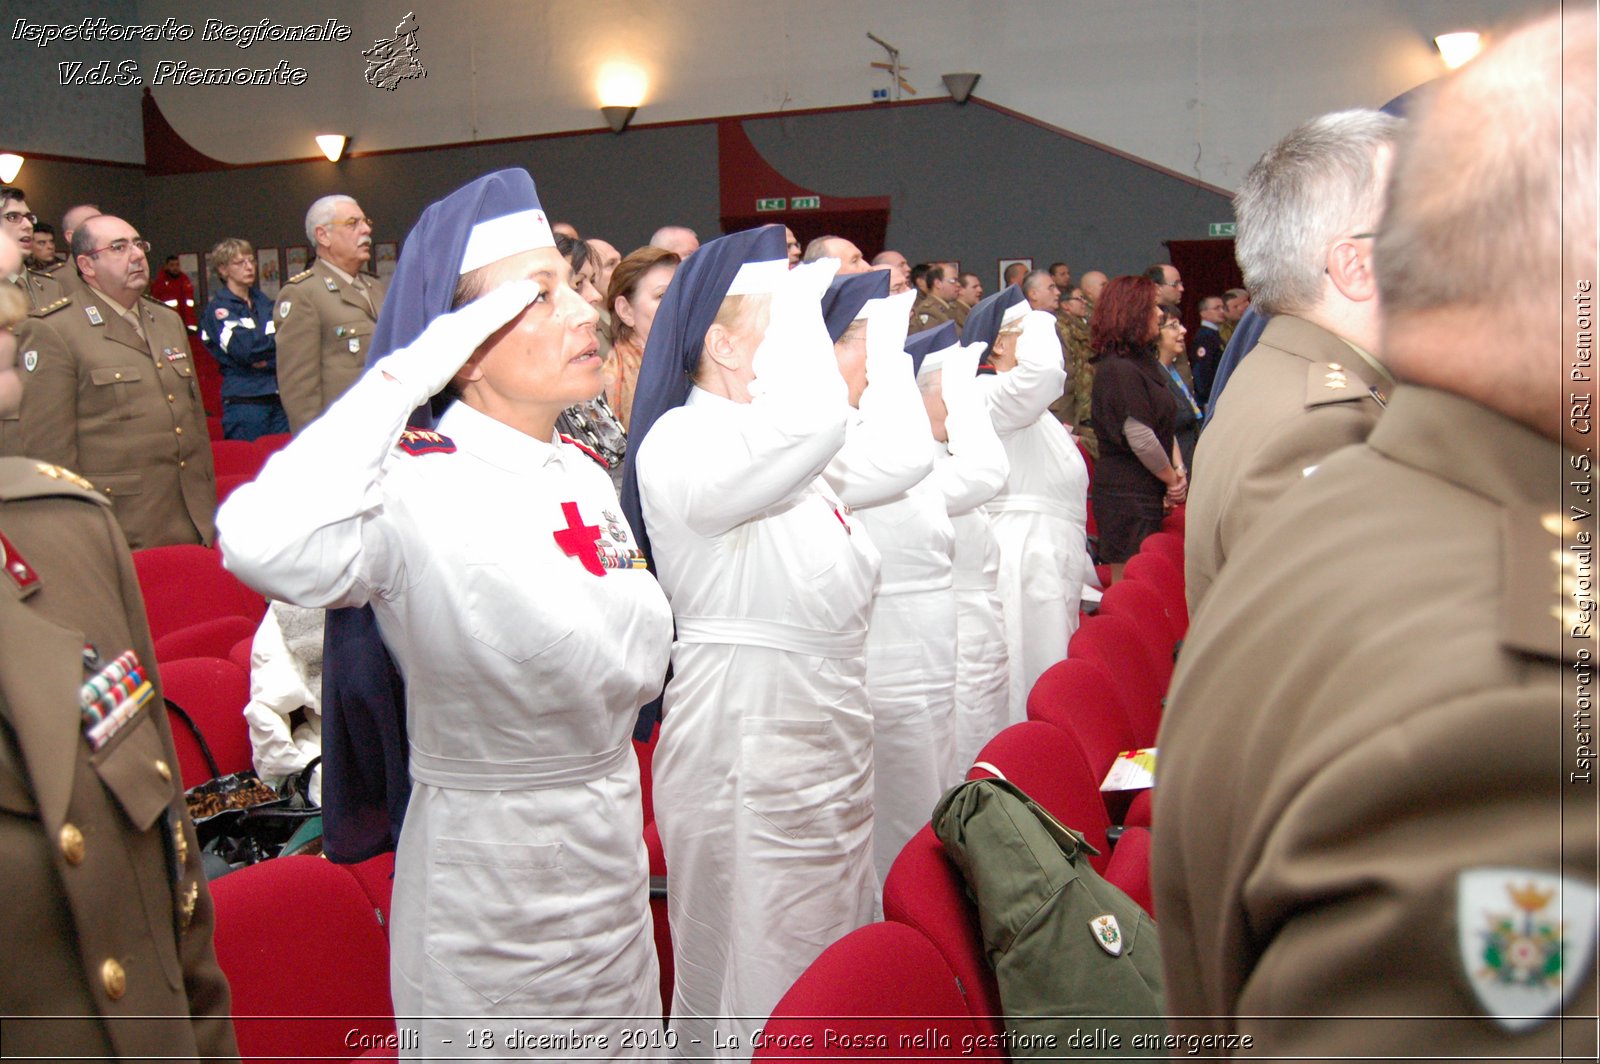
302 949
908 1001
925 891
213 692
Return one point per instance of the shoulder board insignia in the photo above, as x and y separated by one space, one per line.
301 276
1548 558
50 308
1330 382
25 478
586 449
425 441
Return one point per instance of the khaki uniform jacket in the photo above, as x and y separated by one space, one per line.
324 331
1301 395
106 916
125 412
1372 711
930 312
40 287
958 314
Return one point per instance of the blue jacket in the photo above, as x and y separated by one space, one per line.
239 335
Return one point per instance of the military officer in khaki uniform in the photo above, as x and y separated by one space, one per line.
1376 792
1317 385
109 390
935 306
326 314
107 922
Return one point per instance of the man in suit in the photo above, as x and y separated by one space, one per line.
107 926
1377 808
109 390
326 314
1205 348
1307 212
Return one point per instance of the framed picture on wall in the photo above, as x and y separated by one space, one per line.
1006 264
268 276
189 263
385 255
294 261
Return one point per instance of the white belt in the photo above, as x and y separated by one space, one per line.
756 632
535 774
1033 504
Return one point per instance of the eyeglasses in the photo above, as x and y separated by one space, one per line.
351 223
122 247
13 217
1172 325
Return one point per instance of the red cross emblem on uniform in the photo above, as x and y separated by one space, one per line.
579 539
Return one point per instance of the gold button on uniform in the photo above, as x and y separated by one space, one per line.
72 844
179 430
163 770
114 979
170 398
116 376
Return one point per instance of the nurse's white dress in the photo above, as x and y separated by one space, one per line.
969 470
882 474
507 587
1039 517
763 772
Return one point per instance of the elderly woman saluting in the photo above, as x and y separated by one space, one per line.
509 590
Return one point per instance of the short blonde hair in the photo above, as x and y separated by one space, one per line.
226 251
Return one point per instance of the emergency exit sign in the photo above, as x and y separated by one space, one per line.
772 203
806 203
1224 229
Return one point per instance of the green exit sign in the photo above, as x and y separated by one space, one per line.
774 203
807 203
1224 229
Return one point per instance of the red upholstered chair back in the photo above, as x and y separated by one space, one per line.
1040 759
1078 697
232 457
1048 767
925 891
890 975
1166 542
375 877
273 442
297 937
1164 576
213 692
186 584
1146 607
660 926
1116 644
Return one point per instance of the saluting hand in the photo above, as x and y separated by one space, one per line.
429 362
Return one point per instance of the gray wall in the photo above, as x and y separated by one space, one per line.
964 182
977 185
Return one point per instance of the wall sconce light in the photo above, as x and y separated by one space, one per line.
332 145
618 117
621 88
9 165
1456 49
960 86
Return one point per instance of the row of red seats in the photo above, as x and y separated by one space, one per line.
926 964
